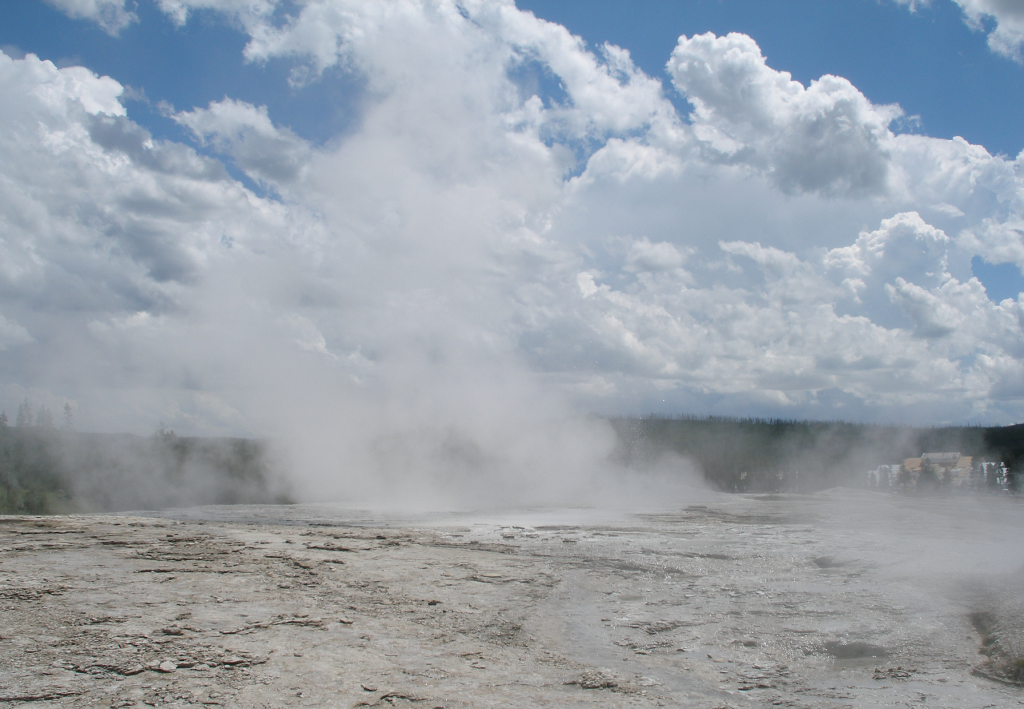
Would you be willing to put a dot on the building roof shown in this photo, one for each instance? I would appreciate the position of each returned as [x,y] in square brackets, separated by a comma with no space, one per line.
[948,458]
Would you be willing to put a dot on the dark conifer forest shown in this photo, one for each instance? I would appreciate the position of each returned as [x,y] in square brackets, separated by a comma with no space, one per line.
[768,455]
[44,470]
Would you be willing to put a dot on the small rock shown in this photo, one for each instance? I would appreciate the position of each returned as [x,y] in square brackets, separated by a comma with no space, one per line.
[595,680]
[369,687]
[167,666]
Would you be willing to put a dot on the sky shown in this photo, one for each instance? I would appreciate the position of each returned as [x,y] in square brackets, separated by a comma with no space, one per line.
[486,220]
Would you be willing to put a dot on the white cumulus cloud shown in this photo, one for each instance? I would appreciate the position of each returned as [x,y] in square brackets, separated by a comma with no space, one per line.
[478,249]
[111,15]
[12,334]
[246,133]
[826,137]
[1006,36]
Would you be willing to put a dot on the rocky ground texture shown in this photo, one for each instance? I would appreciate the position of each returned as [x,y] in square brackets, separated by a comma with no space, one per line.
[833,600]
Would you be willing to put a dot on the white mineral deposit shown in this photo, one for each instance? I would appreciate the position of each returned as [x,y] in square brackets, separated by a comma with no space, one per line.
[836,599]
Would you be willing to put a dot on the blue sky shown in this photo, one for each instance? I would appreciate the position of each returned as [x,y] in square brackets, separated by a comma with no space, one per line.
[199,192]
[929,61]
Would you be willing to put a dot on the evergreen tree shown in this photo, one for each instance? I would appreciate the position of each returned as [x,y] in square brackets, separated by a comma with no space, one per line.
[928,479]
[24,419]
[44,419]
[903,477]
[69,421]
[3,419]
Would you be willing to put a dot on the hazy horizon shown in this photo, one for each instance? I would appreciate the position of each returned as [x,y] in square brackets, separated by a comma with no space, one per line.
[431,238]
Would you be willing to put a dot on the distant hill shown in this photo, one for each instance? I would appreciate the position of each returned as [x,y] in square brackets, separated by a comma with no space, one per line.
[763,455]
[44,470]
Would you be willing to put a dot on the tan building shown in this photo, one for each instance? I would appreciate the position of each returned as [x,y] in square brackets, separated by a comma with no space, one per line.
[950,467]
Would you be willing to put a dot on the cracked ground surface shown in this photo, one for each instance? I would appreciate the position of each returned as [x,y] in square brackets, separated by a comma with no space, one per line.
[834,600]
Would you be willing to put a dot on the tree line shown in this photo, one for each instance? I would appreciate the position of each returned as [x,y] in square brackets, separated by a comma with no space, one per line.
[770,455]
[44,469]
[43,417]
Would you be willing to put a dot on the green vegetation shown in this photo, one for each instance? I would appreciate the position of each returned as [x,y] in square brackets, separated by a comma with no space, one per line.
[770,455]
[1016,670]
[43,470]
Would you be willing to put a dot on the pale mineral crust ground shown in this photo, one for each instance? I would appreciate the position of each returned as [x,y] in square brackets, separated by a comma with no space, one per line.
[840,599]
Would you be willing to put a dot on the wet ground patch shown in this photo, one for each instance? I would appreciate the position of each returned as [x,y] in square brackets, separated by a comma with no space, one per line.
[1001,663]
[856,650]
[827,562]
